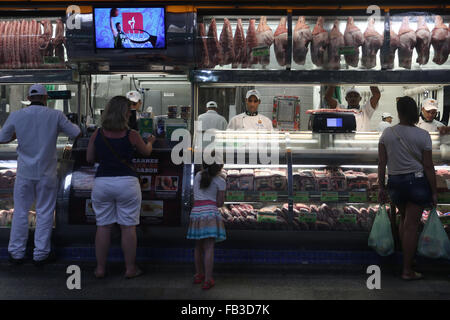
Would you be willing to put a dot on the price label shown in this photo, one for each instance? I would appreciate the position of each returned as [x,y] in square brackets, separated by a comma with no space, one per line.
[308,218]
[301,196]
[444,197]
[268,196]
[51,60]
[445,220]
[266,218]
[347,218]
[235,196]
[261,51]
[329,196]
[357,197]
[347,50]
[373,196]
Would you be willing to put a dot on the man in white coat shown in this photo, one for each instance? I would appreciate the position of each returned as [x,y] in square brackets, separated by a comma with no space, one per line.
[386,122]
[36,128]
[251,119]
[429,111]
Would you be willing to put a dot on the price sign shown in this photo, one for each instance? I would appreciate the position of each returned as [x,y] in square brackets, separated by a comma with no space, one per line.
[301,196]
[268,196]
[357,197]
[308,218]
[235,196]
[261,51]
[347,50]
[347,218]
[329,196]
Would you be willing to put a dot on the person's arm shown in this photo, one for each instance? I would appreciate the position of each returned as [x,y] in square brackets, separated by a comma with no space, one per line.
[69,128]
[8,132]
[382,162]
[331,102]
[444,129]
[428,168]
[141,146]
[90,153]
[113,28]
[376,95]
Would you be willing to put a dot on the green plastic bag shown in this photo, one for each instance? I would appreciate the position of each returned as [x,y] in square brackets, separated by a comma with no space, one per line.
[380,238]
[434,242]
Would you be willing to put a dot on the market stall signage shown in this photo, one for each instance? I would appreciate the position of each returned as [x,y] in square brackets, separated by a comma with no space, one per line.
[301,196]
[444,197]
[145,165]
[268,196]
[307,218]
[329,196]
[348,218]
[357,197]
[235,196]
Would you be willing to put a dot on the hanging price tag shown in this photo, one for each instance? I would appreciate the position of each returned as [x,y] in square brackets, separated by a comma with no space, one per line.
[301,196]
[235,196]
[268,196]
[308,218]
[328,196]
[357,197]
[347,218]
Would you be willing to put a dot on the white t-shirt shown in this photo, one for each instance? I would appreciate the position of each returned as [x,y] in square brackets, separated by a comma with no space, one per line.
[399,159]
[212,120]
[245,122]
[430,126]
[37,128]
[363,116]
[210,193]
[383,125]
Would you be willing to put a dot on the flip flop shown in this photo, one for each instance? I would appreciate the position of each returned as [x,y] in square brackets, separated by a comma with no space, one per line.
[138,273]
[417,276]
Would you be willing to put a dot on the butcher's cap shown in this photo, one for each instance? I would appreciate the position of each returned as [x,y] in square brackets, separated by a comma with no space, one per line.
[386,115]
[211,104]
[352,90]
[134,96]
[253,92]
[430,104]
[37,90]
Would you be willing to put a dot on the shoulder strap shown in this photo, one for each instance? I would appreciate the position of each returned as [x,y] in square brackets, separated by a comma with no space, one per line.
[405,145]
[114,152]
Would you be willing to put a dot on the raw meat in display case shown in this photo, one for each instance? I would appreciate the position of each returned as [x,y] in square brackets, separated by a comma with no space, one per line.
[246,179]
[319,44]
[215,54]
[388,60]
[240,48]
[423,37]
[373,41]
[439,41]
[407,44]
[265,37]
[281,40]
[305,180]
[302,37]
[226,42]
[336,42]
[353,37]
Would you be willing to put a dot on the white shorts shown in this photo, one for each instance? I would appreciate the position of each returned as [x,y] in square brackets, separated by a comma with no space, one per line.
[117,200]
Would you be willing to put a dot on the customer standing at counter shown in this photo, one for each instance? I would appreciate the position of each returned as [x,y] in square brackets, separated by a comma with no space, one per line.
[116,194]
[406,150]
[251,119]
[353,98]
[36,128]
[429,111]
[135,107]
[211,119]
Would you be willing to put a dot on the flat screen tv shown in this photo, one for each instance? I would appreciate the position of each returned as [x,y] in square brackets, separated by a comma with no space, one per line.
[130,28]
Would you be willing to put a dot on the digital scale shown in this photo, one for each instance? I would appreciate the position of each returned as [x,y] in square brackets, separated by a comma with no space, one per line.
[333,122]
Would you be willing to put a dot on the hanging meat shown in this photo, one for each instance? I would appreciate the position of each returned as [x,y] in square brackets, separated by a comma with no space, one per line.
[281,35]
[214,49]
[387,61]
[226,42]
[438,40]
[251,42]
[319,43]
[407,44]
[302,37]
[59,41]
[45,40]
[336,42]
[353,37]
[202,47]
[373,41]
[264,37]
[239,45]
[423,37]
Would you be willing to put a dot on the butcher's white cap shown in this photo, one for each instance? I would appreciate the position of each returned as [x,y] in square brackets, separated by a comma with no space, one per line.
[386,115]
[37,90]
[211,104]
[352,90]
[253,92]
[134,96]
[430,104]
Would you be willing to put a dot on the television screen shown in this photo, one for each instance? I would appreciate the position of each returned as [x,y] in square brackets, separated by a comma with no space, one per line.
[129,28]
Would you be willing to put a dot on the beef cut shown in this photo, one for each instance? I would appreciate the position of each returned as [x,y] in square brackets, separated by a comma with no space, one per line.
[302,37]
[202,47]
[264,37]
[226,42]
[353,37]
[373,41]
[251,42]
[214,49]
[239,45]
[423,37]
[439,37]
[319,44]
[336,42]
[407,44]
[281,35]
[388,60]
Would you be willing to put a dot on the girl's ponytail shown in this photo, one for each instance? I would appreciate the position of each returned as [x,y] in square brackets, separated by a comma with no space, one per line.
[208,173]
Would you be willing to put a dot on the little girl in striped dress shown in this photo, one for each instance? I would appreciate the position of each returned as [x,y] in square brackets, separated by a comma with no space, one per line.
[206,224]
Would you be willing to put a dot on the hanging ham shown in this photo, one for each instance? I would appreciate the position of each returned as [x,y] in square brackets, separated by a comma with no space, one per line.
[336,41]
[388,60]
[439,41]
[319,43]
[353,37]
[264,37]
[423,37]
[281,35]
[373,41]
[407,44]
[251,42]
[202,47]
[302,37]
[226,42]
[239,45]
[214,48]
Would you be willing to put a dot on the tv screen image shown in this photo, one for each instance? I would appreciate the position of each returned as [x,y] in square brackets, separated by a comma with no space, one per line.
[129,28]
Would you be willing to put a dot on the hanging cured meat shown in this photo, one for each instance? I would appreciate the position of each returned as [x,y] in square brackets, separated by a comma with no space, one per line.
[202,47]
[319,43]
[264,37]
[439,37]
[251,42]
[214,48]
[387,61]
[372,43]
[59,41]
[226,42]
[353,37]
[302,37]
[407,44]
[336,41]
[281,42]
[423,37]
[239,45]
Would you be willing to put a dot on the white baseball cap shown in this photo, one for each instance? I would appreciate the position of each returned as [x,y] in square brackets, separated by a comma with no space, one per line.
[211,104]
[134,96]
[386,115]
[352,90]
[253,92]
[430,104]
[37,90]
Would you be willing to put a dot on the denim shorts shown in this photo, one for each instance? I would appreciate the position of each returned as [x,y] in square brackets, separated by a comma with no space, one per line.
[405,188]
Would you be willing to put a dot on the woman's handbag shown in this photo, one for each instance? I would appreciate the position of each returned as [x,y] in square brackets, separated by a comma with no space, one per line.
[380,238]
[433,241]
